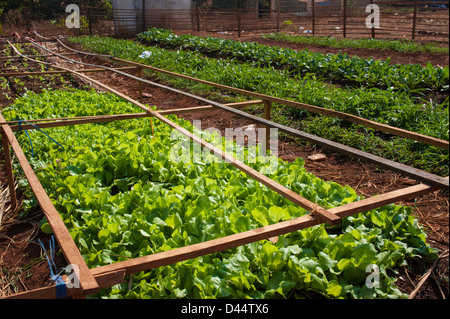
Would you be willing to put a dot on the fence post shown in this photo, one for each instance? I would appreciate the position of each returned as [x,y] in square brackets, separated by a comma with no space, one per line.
[414,20]
[239,14]
[313,17]
[345,18]
[139,75]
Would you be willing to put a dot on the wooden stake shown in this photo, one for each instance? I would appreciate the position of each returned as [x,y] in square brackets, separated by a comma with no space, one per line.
[373,28]
[313,17]
[9,170]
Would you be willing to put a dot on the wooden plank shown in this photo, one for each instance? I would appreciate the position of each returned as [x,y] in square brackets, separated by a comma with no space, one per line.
[180,254]
[310,108]
[9,171]
[383,200]
[62,235]
[208,107]
[15,74]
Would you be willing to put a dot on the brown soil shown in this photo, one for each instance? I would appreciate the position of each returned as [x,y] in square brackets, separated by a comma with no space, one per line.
[421,58]
[367,180]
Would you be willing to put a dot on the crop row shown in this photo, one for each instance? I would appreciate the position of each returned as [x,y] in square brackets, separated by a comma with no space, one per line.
[122,196]
[385,106]
[337,68]
[402,45]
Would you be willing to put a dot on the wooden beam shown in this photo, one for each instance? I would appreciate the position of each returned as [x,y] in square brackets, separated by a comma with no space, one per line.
[34,56]
[383,200]
[310,108]
[113,274]
[66,243]
[420,175]
[9,170]
[208,107]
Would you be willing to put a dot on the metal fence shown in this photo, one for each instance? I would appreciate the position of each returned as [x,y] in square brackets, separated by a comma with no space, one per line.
[424,21]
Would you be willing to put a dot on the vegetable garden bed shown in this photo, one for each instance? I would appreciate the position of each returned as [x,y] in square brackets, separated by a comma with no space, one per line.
[390,107]
[141,202]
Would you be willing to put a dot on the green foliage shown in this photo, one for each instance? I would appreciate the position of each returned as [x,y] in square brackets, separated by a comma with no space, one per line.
[389,106]
[47,9]
[339,68]
[122,197]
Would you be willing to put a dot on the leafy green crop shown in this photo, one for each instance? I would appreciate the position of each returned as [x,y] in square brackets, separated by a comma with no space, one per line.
[385,106]
[338,68]
[402,45]
[121,196]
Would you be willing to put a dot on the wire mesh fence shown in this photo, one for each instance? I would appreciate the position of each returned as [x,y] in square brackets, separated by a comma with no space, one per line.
[421,20]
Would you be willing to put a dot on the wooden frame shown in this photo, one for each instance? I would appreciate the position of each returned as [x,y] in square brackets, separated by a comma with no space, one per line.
[105,276]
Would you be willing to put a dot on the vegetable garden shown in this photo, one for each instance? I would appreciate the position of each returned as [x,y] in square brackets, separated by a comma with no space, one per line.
[124,199]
